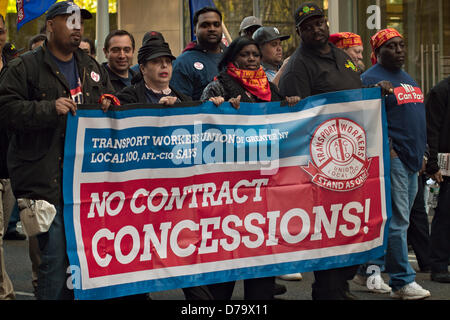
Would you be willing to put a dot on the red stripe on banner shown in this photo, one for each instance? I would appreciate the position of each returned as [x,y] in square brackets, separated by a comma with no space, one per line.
[142,224]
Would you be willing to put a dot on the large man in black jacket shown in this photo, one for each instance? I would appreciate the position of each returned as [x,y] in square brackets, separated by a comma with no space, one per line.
[37,91]
[438,132]
[6,197]
[316,67]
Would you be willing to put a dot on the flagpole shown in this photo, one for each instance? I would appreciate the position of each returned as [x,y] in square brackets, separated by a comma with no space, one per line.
[102,27]
[226,33]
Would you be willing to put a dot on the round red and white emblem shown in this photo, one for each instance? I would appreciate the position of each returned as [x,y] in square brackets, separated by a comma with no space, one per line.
[198,65]
[95,76]
[339,155]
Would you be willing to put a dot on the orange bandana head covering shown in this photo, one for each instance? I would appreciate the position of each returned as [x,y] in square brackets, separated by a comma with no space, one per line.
[380,38]
[254,81]
[345,40]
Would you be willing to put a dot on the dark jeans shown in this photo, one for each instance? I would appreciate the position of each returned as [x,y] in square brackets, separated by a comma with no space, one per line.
[52,275]
[440,230]
[419,228]
[332,284]
[254,289]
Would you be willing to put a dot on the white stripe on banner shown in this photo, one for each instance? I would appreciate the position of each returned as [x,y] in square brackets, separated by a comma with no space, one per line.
[225,119]
[217,266]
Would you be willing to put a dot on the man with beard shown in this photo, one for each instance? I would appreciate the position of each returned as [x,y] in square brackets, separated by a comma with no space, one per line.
[195,68]
[37,91]
[316,67]
[352,44]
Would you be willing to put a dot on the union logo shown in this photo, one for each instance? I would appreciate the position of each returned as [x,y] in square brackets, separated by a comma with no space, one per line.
[339,156]
[95,76]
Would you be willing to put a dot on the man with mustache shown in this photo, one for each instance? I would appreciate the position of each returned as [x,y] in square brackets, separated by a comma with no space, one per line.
[196,67]
[37,92]
[318,66]
[119,49]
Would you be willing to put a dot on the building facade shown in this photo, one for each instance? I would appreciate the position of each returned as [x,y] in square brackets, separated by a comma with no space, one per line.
[425,25]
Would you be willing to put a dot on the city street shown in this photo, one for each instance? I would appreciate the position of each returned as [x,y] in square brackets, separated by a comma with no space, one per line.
[18,265]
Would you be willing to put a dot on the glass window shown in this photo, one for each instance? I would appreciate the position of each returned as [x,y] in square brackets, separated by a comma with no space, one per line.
[425,26]
[278,13]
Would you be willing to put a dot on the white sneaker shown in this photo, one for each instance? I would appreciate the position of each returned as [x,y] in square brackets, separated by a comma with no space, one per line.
[411,291]
[291,277]
[374,283]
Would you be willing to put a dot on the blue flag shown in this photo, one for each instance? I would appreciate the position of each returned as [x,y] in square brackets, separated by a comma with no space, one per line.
[28,10]
[195,5]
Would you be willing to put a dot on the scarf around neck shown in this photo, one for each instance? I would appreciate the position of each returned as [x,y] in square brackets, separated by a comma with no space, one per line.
[254,81]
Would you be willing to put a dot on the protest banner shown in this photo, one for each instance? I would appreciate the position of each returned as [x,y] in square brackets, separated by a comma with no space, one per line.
[164,198]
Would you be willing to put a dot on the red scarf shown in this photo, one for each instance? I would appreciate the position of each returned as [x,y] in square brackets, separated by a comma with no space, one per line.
[254,81]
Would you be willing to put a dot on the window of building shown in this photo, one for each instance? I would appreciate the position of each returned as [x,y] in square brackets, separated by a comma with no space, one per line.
[278,13]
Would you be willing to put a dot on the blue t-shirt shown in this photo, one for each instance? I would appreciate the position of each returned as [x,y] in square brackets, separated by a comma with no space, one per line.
[127,81]
[405,114]
[270,71]
[193,71]
[70,71]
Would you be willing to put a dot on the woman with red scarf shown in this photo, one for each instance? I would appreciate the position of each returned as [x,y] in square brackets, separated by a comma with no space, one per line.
[242,78]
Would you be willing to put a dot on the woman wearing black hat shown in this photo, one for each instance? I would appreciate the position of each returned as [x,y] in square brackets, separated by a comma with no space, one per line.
[152,84]
[242,78]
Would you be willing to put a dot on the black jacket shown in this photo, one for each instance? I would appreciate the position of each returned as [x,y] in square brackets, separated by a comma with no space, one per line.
[437,105]
[136,93]
[225,86]
[309,73]
[4,140]
[116,81]
[28,90]
[3,151]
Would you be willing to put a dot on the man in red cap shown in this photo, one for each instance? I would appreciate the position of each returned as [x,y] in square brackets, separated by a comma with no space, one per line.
[405,111]
[352,44]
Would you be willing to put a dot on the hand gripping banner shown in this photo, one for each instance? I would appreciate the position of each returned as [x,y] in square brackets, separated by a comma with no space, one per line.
[163,198]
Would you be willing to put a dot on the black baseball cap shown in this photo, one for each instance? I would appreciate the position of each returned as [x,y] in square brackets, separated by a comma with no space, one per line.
[267,34]
[65,7]
[306,11]
[152,49]
[152,35]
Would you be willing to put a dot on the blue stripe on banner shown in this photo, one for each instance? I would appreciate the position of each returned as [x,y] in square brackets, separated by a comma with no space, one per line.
[69,153]
[229,275]
[107,149]
[387,168]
